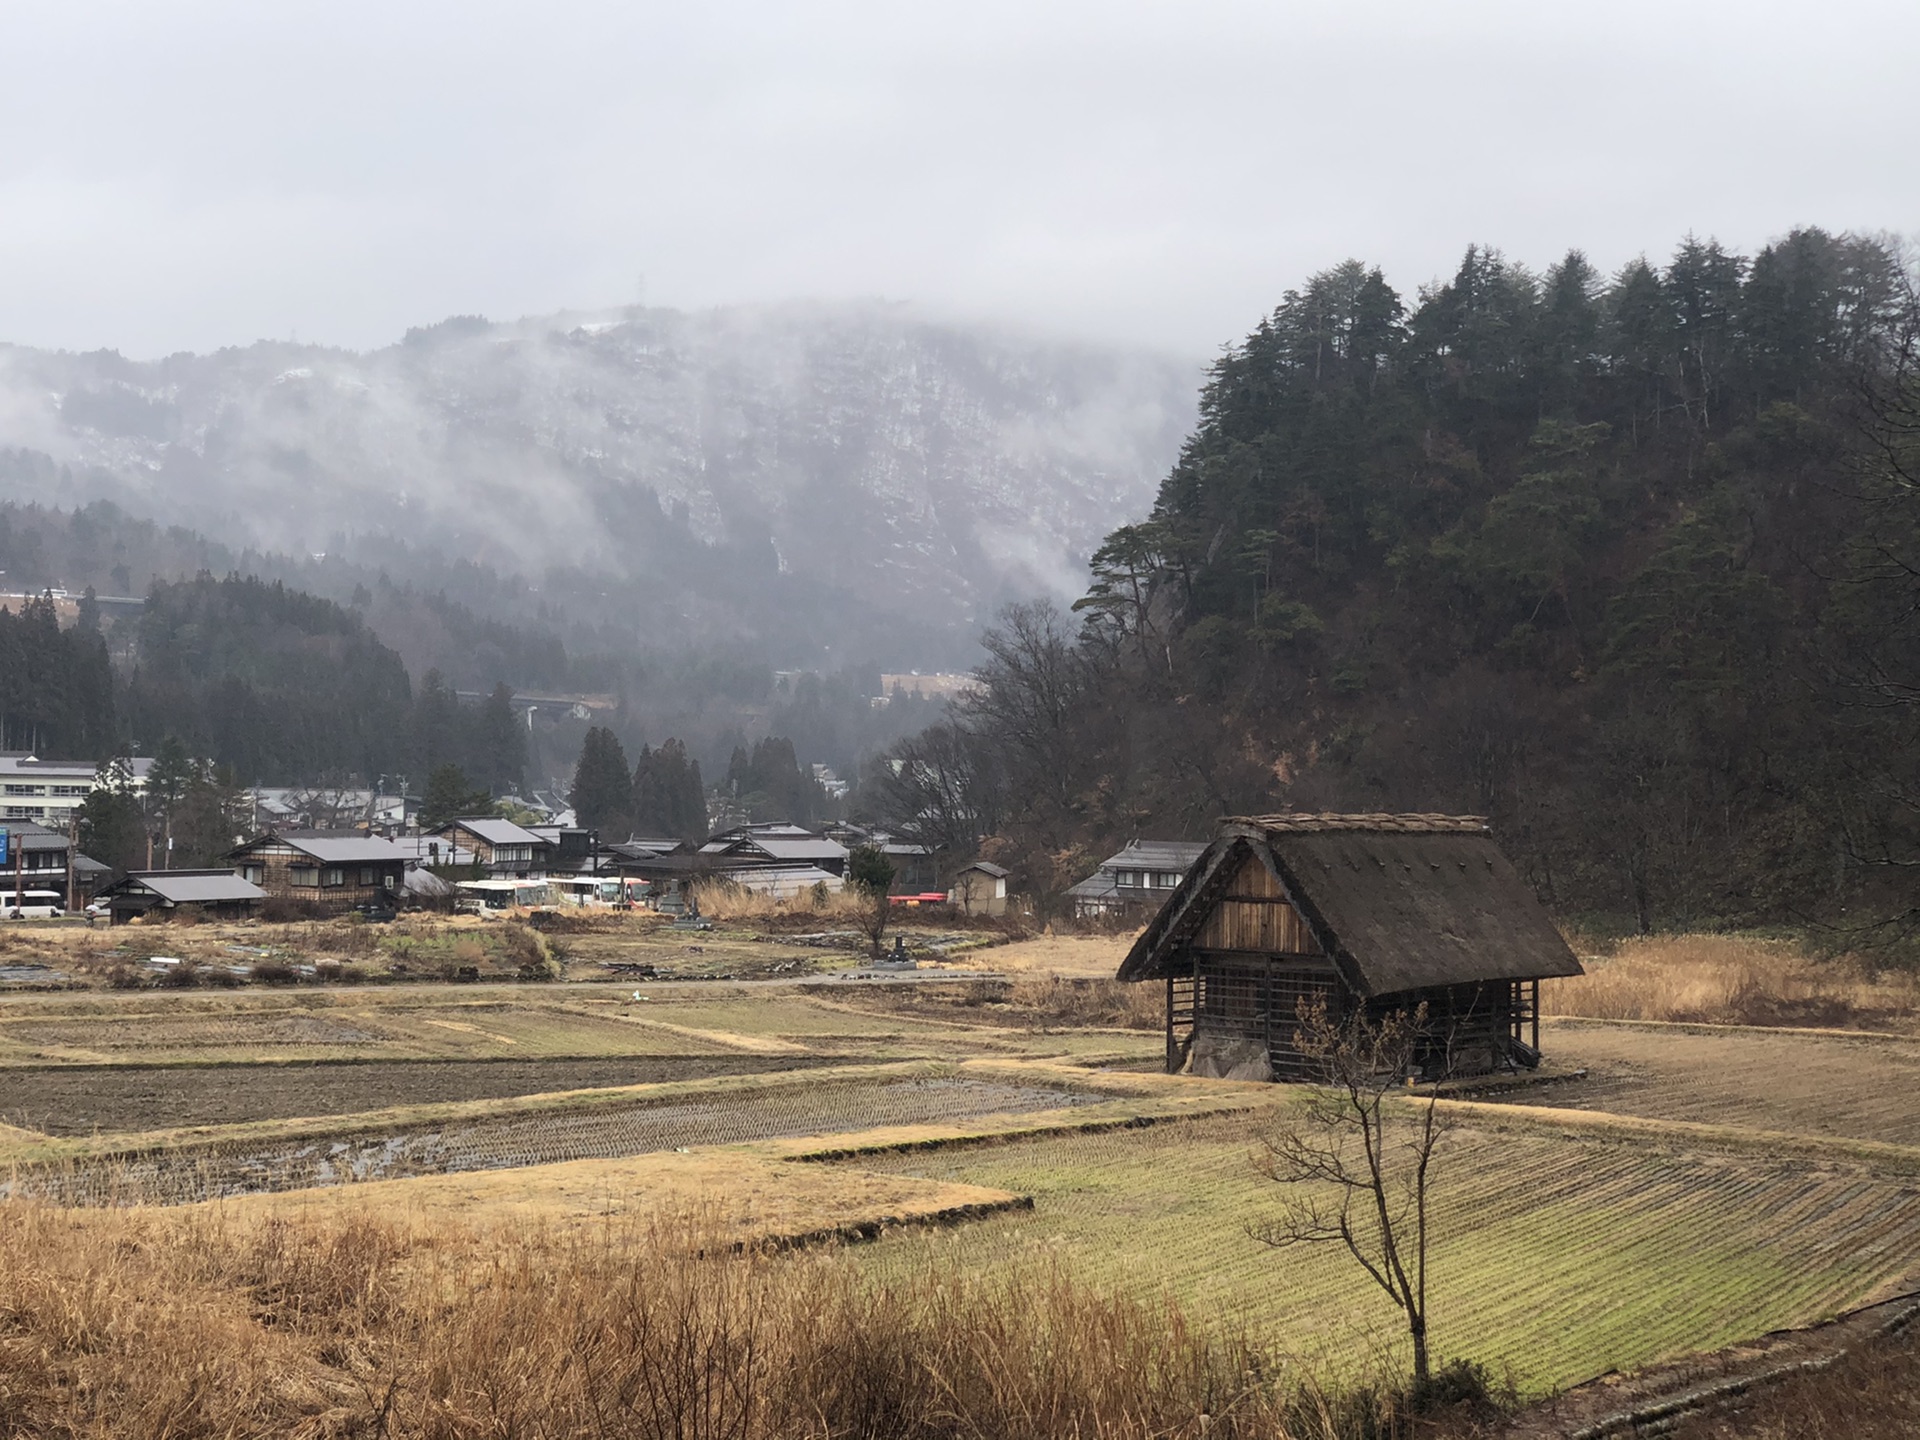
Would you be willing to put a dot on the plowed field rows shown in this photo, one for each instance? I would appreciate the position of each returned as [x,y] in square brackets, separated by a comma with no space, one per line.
[1558,1258]
[72,1100]
[1861,1089]
[502,1142]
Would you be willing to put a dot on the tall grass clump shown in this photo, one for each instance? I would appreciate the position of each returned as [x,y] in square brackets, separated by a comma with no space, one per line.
[1733,980]
[724,900]
[216,1322]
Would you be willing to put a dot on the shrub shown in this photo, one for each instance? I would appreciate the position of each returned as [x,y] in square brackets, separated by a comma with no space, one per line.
[275,972]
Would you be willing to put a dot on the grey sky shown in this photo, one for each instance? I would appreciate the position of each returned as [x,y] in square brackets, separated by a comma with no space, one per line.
[187,175]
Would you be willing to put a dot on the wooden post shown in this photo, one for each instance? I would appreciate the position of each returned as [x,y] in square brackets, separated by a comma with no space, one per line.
[73,843]
[1536,1017]
[1170,1065]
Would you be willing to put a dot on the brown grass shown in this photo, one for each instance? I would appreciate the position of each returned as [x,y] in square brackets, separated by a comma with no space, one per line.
[723,900]
[210,1323]
[1086,957]
[1733,980]
[1872,1393]
[1032,1000]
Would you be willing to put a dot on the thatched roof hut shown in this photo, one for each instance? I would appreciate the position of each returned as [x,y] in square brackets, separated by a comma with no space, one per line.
[1367,912]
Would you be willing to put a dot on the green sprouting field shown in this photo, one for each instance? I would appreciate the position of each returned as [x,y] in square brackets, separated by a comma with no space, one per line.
[1556,1258]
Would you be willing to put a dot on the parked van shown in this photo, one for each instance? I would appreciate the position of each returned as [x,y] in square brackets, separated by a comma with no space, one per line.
[33,905]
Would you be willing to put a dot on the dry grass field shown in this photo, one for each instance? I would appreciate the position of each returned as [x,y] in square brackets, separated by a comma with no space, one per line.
[512,1209]
[1734,980]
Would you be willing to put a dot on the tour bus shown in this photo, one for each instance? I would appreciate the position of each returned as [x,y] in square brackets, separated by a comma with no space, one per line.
[478,897]
[584,890]
[33,905]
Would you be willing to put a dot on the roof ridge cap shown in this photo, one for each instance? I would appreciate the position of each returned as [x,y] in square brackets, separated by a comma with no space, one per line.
[1377,822]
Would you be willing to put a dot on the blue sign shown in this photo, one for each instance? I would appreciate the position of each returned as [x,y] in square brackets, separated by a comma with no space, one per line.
[5,857]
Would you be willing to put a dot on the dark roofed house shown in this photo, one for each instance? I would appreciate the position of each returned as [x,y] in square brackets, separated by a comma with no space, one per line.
[503,849]
[329,870]
[1137,879]
[779,845]
[39,856]
[162,894]
[1369,913]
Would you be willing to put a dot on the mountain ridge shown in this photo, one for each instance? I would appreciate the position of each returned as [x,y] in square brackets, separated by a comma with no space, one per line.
[782,473]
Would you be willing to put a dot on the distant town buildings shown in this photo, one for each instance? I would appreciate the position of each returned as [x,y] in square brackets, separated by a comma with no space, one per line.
[49,791]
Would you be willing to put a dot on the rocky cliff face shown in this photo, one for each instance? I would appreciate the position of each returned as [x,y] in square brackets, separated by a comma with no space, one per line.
[803,475]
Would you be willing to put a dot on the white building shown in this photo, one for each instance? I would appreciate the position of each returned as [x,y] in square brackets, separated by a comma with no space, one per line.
[47,792]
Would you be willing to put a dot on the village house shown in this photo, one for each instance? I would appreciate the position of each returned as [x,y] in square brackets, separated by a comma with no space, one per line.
[329,871]
[1136,880]
[36,859]
[500,848]
[778,844]
[979,888]
[1368,914]
[165,894]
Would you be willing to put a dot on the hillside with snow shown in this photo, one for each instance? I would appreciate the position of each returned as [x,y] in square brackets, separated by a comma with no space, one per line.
[808,476]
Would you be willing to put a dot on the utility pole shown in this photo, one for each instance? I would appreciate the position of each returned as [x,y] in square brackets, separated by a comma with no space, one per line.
[73,843]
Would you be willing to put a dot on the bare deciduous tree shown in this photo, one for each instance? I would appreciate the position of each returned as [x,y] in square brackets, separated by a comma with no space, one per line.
[1357,1160]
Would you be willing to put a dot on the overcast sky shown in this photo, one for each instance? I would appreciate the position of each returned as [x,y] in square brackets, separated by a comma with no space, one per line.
[183,175]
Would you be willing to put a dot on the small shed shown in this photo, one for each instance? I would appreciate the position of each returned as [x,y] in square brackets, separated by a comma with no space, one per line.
[980,888]
[1369,913]
[162,894]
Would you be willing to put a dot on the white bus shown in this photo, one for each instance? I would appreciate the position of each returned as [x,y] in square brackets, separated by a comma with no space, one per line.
[33,905]
[477,897]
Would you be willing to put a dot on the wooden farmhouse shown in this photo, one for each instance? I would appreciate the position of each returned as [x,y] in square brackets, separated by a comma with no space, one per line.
[164,894]
[1370,913]
[501,848]
[330,871]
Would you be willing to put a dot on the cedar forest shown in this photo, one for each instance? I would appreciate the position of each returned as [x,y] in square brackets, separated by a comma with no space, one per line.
[1627,564]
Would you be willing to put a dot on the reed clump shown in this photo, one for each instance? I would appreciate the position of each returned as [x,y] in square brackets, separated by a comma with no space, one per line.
[215,1322]
[1734,980]
[724,900]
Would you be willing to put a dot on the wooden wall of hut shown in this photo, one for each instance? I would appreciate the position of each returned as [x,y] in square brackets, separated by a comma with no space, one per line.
[1256,916]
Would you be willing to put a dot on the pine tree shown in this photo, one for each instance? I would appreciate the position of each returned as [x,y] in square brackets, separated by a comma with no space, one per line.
[602,793]
[451,795]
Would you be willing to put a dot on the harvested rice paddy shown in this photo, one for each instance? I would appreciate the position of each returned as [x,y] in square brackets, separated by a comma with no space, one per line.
[1555,1258]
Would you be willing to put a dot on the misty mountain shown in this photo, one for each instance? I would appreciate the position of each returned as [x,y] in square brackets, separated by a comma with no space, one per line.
[819,479]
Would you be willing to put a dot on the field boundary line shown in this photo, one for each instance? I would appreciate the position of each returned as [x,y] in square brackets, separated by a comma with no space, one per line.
[137,1145]
[725,1039]
[1739,1138]
[862,1231]
[1713,1027]
[1662,1417]
[971,1139]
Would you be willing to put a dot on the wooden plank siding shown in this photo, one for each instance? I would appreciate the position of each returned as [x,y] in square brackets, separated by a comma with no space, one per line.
[287,873]
[1256,917]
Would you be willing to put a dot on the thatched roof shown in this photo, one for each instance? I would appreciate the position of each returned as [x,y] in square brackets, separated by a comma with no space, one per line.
[1400,902]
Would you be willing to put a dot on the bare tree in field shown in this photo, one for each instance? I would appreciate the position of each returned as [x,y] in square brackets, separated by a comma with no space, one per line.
[1357,1159]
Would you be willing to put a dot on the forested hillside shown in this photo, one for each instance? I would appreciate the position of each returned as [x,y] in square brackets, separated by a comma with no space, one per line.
[1627,564]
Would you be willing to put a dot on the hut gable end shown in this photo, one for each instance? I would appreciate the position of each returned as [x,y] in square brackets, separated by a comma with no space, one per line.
[1255,914]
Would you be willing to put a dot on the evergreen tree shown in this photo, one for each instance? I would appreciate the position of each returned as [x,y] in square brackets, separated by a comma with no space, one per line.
[668,798]
[113,829]
[503,741]
[450,795]
[602,791]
